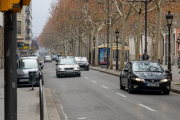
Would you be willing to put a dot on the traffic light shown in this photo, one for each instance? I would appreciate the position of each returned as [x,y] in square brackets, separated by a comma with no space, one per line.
[13,5]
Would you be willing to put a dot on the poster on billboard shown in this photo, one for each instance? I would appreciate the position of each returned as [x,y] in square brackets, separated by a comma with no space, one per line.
[103,55]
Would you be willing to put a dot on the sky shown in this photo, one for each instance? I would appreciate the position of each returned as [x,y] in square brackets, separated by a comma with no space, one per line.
[40,10]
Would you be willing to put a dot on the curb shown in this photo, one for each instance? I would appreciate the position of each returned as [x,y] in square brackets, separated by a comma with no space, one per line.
[45,106]
[172,90]
[104,72]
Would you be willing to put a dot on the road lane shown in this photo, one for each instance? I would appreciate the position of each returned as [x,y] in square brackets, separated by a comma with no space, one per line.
[84,97]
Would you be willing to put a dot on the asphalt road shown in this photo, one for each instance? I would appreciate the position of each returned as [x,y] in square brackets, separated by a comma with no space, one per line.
[96,96]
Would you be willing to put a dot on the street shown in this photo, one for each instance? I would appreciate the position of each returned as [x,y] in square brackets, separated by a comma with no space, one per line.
[96,96]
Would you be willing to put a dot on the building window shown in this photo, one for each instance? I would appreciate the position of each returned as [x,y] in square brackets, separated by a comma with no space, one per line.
[19,27]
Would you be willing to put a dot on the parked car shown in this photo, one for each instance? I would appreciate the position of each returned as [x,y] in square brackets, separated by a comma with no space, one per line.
[24,66]
[82,62]
[47,59]
[54,57]
[144,76]
[68,67]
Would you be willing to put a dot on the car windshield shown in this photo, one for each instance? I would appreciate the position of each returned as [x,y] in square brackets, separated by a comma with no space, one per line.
[147,67]
[47,57]
[67,62]
[70,56]
[29,63]
[61,57]
[84,59]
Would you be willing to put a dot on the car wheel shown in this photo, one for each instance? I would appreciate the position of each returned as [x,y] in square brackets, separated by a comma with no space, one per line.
[57,75]
[166,92]
[87,69]
[121,87]
[79,75]
[130,89]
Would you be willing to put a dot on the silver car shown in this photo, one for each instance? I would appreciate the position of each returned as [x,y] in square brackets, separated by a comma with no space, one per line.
[67,67]
[24,66]
[47,59]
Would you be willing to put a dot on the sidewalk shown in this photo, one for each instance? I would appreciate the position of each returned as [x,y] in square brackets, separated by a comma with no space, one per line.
[28,106]
[175,84]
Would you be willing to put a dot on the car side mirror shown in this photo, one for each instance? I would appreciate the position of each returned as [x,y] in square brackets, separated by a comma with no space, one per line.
[166,71]
[42,66]
[126,70]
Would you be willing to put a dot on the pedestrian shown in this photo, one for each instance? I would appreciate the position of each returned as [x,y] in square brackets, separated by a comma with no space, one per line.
[143,57]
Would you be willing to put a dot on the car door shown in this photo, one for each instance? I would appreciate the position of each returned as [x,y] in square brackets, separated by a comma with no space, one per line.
[128,74]
[123,76]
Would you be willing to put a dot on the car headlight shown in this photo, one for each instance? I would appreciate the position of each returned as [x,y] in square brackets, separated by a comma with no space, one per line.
[87,64]
[138,79]
[164,80]
[61,68]
[76,68]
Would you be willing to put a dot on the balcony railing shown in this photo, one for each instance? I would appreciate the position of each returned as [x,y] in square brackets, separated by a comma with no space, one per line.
[28,18]
[28,27]
[28,37]
[27,9]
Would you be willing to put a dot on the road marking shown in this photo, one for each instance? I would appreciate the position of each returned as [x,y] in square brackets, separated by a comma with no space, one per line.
[94,81]
[121,94]
[86,77]
[62,109]
[82,118]
[104,86]
[146,107]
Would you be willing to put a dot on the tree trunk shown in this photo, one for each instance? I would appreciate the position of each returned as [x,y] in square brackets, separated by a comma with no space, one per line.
[152,47]
[76,48]
[161,49]
[123,44]
[158,29]
[138,34]
[87,45]
[111,46]
[92,45]
[96,48]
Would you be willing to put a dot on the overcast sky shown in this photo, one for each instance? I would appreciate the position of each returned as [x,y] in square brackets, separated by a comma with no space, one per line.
[40,10]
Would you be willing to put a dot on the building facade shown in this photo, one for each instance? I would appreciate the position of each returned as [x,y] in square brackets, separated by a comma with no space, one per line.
[24,31]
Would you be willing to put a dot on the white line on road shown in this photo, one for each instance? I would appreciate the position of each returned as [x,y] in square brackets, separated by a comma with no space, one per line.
[82,118]
[94,81]
[146,107]
[121,94]
[62,109]
[105,87]
[86,77]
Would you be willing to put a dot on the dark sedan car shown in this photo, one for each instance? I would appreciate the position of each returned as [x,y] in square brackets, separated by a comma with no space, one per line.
[82,62]
[144,76]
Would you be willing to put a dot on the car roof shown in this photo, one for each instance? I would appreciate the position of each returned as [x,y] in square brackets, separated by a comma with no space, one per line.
[133,61]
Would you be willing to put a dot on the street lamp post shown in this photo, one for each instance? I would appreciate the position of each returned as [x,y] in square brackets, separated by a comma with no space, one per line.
[117,35]
[178,41]
[94,40]
[169,18]
[145,1]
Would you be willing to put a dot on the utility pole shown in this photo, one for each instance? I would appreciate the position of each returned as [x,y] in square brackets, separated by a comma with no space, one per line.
[108,37]
[10,71]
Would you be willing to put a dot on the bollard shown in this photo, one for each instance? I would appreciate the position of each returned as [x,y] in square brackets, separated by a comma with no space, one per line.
[32,78]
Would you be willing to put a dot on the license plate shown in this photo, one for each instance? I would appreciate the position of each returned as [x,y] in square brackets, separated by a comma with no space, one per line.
[23,80]
[69,71]
[153,84]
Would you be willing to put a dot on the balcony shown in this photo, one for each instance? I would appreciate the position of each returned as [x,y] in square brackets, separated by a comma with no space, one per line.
[28,18]
[27,9]
[28,37]
[28,27]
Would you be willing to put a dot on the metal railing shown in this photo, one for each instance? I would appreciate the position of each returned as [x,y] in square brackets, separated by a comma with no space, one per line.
[41,100]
